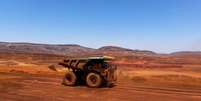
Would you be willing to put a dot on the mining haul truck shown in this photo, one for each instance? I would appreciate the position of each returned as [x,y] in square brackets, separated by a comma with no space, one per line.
[93,71]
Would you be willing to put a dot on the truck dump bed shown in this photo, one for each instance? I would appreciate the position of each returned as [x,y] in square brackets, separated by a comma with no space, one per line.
[80,62]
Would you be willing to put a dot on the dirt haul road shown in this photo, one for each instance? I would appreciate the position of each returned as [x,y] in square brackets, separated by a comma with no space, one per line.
[22,86]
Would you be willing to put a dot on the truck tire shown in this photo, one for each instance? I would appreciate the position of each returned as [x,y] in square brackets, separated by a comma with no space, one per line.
[93,80]
[69,79]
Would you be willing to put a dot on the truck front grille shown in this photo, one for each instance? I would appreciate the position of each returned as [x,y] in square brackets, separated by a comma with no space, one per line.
[112,74]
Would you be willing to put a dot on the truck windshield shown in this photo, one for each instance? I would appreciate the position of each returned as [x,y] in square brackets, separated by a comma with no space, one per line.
[105,65]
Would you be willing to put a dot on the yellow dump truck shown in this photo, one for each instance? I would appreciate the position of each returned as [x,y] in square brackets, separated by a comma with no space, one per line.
[93,71]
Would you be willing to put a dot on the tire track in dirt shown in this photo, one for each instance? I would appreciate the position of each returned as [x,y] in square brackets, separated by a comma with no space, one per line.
[167,90]
[123,86]
[163,90]
[43,88]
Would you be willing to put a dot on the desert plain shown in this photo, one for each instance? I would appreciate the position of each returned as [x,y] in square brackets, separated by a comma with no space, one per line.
[141,77]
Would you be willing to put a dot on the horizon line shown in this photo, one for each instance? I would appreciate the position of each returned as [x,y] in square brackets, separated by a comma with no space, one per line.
[62,44]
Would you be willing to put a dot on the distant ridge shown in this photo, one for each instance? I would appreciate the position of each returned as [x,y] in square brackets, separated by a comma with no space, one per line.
[187,54]
[119,51]
[114,48]
[70,49]
[77,50]
[65,49]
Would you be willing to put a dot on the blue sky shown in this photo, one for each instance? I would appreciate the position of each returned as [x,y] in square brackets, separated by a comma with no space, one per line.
[159,25]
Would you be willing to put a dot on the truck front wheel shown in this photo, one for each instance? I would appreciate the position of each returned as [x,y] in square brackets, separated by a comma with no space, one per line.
[93,80]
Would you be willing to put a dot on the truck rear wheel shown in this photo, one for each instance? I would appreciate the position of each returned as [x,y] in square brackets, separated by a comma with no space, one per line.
[93,80]
[69,79]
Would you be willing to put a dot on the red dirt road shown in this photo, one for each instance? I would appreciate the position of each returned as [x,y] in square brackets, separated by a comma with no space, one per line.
[37,87]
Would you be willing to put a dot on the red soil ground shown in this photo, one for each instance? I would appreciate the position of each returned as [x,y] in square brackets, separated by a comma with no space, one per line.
[23,79]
